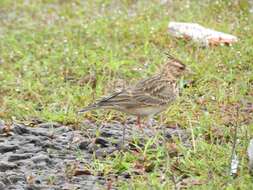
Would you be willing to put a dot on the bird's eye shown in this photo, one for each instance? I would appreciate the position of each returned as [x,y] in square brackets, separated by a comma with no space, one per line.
[181,68]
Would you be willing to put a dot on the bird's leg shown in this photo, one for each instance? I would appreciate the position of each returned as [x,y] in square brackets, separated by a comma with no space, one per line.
[151,121]
[139,122]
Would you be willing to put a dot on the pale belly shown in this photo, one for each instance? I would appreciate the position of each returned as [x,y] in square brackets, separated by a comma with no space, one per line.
[145,111]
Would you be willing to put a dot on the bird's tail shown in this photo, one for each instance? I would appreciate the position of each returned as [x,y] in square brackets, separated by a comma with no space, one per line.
[88,108]
[105,103]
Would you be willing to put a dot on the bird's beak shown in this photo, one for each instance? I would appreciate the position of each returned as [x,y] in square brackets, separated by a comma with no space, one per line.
[188,71]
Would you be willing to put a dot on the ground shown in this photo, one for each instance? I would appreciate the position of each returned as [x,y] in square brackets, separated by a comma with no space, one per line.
[57,56]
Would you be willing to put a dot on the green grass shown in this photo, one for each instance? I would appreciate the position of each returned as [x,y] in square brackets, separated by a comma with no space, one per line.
[56,56]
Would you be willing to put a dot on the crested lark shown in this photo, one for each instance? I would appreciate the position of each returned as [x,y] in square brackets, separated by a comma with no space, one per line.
[149,96]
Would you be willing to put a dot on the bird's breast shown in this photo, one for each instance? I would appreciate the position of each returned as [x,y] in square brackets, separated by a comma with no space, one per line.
[146,111]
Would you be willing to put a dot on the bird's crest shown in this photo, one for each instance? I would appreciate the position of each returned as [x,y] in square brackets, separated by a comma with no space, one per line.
[175,62]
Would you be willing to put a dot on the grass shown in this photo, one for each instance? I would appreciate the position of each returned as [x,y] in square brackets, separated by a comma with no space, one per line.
[57,56]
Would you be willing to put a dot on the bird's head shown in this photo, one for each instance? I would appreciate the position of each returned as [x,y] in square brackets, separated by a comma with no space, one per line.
[174,68]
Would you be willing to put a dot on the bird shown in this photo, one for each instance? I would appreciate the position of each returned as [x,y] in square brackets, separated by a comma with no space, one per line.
[149,96]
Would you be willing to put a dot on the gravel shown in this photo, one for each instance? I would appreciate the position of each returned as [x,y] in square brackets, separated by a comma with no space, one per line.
[47,156]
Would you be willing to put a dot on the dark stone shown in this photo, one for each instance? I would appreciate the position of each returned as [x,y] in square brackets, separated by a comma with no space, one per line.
[63,130]
[7,148]
[16,187]
[113,130]
[107,134]
[28,148]
[14,178]
[37,181]
[84,145]
[51,145]
[92,147]
[126,175]
[102,142]
[40,158]
[42,132]
[20,129]
[168,135]
[34,140]
[24,163]
[49,125]
[17,157]
[4,178]
[102,152]
[2,186]
[36,187]
[39,166]
[4,166]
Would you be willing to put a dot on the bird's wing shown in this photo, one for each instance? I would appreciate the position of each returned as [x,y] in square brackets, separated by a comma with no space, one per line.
[124,97]
[154,91]
[106,102]
[127,99]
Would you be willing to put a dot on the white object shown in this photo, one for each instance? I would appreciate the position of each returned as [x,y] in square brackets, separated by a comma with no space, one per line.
[251,6]
[234,165]
[250,155]
[200,34]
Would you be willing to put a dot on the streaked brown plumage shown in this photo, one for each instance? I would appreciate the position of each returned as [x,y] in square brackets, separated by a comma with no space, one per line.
[149,96]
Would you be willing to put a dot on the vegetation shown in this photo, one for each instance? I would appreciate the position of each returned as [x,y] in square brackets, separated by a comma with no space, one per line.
[56,56]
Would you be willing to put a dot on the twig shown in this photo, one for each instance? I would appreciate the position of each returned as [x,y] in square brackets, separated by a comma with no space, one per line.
[167,157]
[193,137]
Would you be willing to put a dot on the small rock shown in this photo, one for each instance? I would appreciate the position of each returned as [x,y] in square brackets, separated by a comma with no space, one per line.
[126,175]
[2,185]
[24,163]
[63,129]
[76,137]
[40,158]
[51,145]
[92,147]
[84,145]
[37,181]
[7,148]
[37,187]
[102,142]
[28,148]
[34,140]
[39,166]
[41,132]
[49,125]
[105,151]
[14,187]
[4,178]
[20,129]
[4,166]
[114,131]
[14,178]
[167,135]
[16,157]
